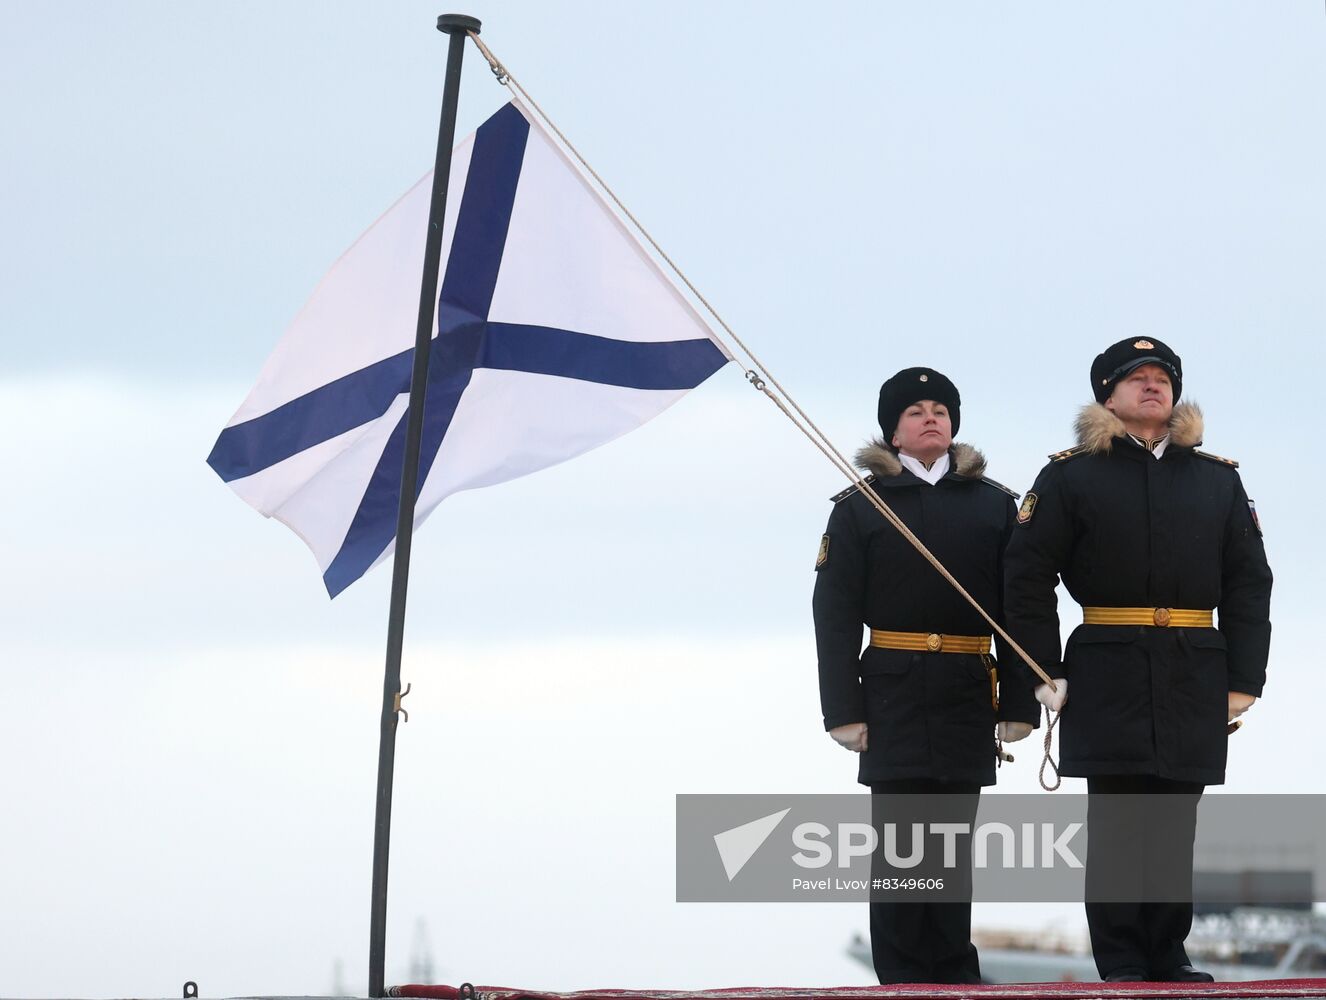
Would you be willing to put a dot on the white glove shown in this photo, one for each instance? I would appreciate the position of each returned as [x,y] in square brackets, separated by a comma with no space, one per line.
[853,736]
[1238,704]
[1053,700]
[1011,732]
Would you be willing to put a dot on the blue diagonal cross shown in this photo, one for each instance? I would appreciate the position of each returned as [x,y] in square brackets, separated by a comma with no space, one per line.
[466,340]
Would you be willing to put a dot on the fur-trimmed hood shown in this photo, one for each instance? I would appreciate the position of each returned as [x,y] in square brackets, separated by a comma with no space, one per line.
[881,458]
[1097,427]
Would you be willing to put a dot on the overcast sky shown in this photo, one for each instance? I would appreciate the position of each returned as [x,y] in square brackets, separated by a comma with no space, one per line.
[188,727]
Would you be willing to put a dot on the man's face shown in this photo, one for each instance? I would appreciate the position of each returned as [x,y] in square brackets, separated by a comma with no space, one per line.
[1145,395]
[924,430]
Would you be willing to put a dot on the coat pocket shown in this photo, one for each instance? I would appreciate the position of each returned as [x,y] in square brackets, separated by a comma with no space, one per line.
[1201,675]
[876,661]
[1206,638]
[1108,718]
[1197,700]
[893,682]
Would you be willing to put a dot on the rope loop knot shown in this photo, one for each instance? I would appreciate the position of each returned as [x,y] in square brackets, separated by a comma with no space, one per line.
[498,69]
[1047,761]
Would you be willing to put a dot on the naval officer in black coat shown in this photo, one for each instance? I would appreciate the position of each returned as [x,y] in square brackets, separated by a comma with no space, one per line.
[1151,536]
[918,704]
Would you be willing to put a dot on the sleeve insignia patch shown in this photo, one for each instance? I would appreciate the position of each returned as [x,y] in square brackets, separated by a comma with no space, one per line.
[1028,508]
[823,556]
[1252,509]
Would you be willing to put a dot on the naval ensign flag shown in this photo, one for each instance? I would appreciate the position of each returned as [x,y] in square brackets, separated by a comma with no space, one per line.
[556,332]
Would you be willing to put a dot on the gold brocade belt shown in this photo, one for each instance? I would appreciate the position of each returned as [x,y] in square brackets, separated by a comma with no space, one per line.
[929,642]
[933,642]
[1162,617]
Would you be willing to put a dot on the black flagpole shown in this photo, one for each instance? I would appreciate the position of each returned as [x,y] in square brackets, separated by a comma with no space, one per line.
[457,26]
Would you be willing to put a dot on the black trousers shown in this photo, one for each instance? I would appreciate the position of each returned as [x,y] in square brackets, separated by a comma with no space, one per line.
[920,941]
[1140,849]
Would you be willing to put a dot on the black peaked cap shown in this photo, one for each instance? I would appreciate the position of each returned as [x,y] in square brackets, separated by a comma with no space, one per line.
[1131,353]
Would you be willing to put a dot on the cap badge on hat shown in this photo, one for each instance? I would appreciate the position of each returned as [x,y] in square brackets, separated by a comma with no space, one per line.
[1144,345]
[925,378]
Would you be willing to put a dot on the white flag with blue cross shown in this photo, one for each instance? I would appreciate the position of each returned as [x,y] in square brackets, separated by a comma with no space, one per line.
[556,332]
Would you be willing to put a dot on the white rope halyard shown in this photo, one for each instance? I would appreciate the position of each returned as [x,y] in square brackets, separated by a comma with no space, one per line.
[761,379]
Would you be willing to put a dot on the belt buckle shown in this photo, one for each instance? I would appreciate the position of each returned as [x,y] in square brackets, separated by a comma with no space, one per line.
[1161,617]
[934,642]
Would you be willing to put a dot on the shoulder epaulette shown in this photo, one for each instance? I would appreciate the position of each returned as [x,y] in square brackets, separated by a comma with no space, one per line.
[1067,453]
[1000,486]
[850,490]
[1216,458]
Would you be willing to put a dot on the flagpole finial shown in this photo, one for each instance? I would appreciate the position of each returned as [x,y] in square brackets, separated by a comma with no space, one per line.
[452,23]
